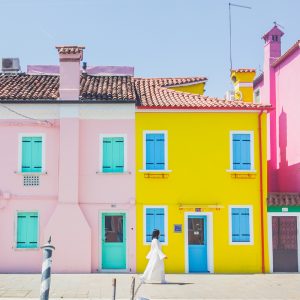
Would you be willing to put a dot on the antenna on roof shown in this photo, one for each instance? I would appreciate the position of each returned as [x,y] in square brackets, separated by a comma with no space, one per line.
[276,24]
[230,38]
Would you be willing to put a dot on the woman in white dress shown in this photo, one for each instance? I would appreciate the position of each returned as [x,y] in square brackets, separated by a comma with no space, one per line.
[155,270]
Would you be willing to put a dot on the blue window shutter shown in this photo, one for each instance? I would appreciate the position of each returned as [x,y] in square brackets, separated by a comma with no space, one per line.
[245,152]
[107,165]
[150,223]
[245,225]
[236,142]
[150,151]
[26,154]
[235,224]
[241,151]
[36,154]
[159,152]
[118,154]
[160,223]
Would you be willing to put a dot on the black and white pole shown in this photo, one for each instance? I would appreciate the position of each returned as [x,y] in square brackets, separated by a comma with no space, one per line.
[46,270]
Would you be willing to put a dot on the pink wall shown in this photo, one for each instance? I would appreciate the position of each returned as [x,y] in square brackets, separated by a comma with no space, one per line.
[288,124]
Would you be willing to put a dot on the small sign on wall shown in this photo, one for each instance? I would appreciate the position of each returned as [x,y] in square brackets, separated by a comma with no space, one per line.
[177,228]
[285,209]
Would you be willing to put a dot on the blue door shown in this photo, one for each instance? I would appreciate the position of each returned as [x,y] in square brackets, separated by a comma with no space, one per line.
[197,243]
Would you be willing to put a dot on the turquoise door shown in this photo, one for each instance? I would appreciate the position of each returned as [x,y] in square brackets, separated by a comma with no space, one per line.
[197,243]
[113,241]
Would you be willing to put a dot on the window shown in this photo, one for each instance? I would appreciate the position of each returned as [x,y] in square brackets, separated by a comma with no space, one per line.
[27,230]
[241,225]
[31,154]
[113,154]
[257,96]
[155,218]
[242,151]
[155,148]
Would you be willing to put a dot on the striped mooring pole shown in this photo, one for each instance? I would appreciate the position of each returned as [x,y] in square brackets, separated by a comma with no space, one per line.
[46,270]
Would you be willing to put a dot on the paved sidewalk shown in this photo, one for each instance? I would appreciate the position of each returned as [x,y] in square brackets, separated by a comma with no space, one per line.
[99,286]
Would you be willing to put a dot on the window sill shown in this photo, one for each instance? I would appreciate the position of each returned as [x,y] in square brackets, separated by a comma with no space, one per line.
[26,249]
[242,174]
[31,173]
[241,243]
[241,171]
[114,173]
[155,171]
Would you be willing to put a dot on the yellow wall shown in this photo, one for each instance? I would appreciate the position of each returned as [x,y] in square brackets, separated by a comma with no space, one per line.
[193,88]
[240,79]
[199,157]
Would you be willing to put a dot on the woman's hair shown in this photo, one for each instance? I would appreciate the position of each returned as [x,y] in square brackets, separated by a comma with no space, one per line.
[155,234]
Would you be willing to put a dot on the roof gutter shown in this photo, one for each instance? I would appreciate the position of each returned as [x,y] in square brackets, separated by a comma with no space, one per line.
[265,108]
[261,189]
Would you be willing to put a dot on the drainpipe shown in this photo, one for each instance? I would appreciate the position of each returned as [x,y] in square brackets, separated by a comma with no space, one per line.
[261,194]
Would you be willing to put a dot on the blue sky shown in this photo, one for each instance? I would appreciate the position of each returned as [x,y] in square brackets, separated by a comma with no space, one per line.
[160,38]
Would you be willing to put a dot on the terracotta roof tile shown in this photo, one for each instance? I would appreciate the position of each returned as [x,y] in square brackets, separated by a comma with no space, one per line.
[284,199]
[288,53]
[153,93]
[243,70]
[69,49]
[28,87]
[146,92]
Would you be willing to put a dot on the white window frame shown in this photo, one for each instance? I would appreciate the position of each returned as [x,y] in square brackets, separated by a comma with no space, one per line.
[16,231]
[165,132]
[251,132]
[21,135]
[165,207]
[251,242]
[112,135]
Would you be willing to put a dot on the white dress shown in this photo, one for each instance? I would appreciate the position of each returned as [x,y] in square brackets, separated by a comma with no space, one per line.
[155,270]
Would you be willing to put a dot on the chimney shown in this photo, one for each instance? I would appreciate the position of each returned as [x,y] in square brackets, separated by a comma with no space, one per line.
[272,51]
[242,80]
[69,69]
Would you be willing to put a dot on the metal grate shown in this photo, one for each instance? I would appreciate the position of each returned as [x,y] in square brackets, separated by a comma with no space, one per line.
[31,180]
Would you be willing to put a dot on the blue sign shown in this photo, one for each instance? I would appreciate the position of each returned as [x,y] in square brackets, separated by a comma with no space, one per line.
[177,228]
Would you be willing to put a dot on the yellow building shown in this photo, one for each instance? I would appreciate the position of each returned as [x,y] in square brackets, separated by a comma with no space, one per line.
[201,179]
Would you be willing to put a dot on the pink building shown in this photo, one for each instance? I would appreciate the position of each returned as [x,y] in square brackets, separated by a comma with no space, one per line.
[67,169]
[279,86]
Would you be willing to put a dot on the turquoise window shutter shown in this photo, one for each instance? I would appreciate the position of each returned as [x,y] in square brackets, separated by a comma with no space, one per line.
[241,151]
[240,223]
[32,154]
[27,230]
[160,223]
[21,231]
[107,165]
[155,151]
[26,154]
[118,155]
[32,233]
[150,151]
[36,152]
[150,223]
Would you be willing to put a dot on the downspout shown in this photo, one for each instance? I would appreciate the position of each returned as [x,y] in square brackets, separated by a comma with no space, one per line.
[261,194]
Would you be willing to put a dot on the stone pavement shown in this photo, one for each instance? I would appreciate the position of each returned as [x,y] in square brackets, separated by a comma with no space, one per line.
[180,286]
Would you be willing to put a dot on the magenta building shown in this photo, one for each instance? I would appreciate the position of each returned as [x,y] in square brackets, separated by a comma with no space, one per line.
[278,85]
[67,168]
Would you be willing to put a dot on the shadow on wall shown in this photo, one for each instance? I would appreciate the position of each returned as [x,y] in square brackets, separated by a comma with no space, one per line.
[287,177]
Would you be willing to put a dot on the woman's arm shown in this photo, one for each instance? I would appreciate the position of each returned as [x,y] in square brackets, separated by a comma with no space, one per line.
[161,255]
